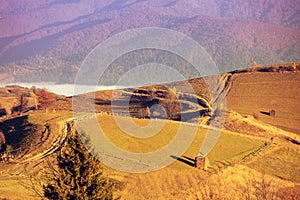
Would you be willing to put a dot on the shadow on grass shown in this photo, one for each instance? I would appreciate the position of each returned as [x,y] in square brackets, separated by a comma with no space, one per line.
[292,140]
[187,160]
[265,113]
[19,133]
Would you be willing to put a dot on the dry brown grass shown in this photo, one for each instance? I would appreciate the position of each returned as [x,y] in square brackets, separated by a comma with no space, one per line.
[250,126]
[230,147]
[259,92]
[266,176]
[233,183]
[12,189]
[283,162]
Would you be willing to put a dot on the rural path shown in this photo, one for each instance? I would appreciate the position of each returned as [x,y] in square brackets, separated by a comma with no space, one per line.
[17,167]
[60,140]
[58,143]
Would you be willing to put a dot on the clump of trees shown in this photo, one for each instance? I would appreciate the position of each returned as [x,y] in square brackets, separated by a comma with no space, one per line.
[79,175]
[45,99]
[22,104]
[42,99]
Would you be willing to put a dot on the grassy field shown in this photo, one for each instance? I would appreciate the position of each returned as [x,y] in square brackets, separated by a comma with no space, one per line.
[229,148]
[14,182]
[180,179]
[239,164]
[259,92]
[283,163]
[30,132]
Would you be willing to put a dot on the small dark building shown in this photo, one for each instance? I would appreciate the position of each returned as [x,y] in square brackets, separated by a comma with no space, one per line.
[272,113]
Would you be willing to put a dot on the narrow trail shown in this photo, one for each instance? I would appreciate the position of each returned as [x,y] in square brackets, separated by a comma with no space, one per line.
[58,143]
[64,127]
[17,167]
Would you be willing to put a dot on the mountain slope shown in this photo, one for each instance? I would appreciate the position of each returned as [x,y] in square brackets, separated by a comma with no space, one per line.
[48,40]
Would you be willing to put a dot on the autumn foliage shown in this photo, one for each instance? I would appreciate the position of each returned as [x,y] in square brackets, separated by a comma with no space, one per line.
[45,99]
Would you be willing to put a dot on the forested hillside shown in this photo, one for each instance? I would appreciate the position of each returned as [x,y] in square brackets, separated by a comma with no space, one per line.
[48,40]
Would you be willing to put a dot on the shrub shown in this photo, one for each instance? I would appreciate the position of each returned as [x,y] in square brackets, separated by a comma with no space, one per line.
[255,116]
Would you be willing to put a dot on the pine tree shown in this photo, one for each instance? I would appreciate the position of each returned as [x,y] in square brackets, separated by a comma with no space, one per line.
[79,174]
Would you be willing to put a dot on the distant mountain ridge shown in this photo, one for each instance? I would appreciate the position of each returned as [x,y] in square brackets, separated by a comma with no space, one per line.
[48,40]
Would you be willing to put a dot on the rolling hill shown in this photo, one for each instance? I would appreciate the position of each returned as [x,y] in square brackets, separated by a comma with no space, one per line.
[255,147]
[251,92]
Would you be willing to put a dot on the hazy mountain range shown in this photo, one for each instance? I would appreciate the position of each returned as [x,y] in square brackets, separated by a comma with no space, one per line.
[47,40]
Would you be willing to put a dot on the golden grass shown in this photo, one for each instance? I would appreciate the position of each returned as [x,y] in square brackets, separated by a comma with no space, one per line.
[253,93]
[283,162]
[180,180]
[133,144]
[14,175]
[12,189]
[231,183]
[230,147]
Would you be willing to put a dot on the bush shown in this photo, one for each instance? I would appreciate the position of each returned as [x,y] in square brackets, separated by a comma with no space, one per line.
[255,116]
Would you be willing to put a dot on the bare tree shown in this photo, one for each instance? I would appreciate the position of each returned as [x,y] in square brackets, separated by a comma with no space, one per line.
[171,105]
[257,187]
[294,66]
[263,188]
[33,95]
[23,102]
[45,99]
[20,104]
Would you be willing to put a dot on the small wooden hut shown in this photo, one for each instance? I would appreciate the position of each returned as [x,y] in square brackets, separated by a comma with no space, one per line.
[201,162]
[272,113]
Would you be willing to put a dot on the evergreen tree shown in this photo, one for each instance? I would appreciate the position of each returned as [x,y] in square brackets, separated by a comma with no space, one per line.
[79,174]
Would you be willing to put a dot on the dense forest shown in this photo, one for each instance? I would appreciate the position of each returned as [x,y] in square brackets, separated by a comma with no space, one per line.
[234,33]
